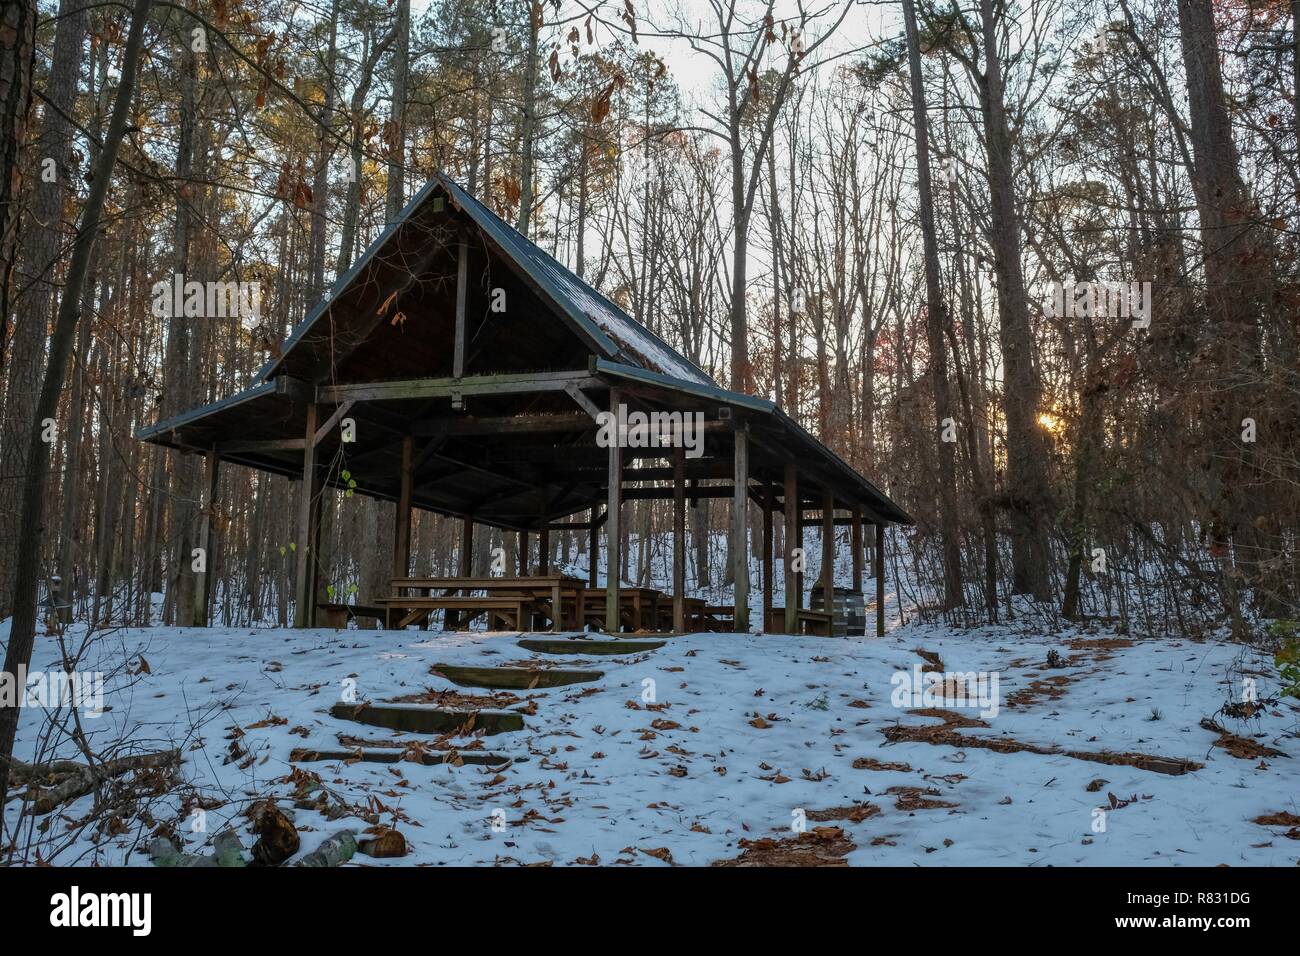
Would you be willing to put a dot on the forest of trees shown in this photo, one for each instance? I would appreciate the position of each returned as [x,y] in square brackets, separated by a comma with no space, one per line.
[863,210]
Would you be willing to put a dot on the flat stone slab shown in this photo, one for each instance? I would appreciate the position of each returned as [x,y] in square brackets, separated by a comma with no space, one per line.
[562,645]
[430,758]
[513,678]
[423,719]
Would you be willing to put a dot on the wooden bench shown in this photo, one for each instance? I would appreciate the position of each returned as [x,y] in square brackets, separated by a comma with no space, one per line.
[513,612]
[693,613]
[719,618]
[814,622]
[593,611]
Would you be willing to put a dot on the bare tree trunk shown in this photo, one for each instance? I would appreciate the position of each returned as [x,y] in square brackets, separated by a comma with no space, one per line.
[528,132]
[17,55]
[320,181]
[22,635]
[1027,491]
[179,390]
[1237,278]
[396,195]
[40,251]
[936,323]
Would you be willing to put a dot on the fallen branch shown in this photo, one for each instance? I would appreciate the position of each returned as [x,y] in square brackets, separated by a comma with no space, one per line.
[77,780]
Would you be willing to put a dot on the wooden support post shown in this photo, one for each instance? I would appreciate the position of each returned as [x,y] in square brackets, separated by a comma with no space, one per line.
[679,539]
[544,550]
[740,530]
[769,496]
[523,554]
[613,544]
[880,580]
[828,552]
[593,552]
[203,580]
[462,293]
[402,519]
[857,547]
[793,543]
[466,547]
[308,543]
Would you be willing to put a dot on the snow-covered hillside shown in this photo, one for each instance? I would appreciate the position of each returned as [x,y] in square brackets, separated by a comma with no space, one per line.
[681,753]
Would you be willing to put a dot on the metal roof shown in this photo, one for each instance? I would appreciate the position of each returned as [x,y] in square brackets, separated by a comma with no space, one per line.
[609,329]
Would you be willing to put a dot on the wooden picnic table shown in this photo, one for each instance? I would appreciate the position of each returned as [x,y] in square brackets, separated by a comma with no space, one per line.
[549,593]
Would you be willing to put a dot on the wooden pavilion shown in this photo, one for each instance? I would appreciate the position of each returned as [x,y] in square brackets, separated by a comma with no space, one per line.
[458,368]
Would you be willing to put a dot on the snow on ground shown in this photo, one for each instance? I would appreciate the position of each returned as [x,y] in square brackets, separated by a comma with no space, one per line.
[608,776]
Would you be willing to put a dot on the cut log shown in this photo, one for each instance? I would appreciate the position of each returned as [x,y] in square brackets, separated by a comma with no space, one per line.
[227,851]
[335,851]
[386,844]
[165,853]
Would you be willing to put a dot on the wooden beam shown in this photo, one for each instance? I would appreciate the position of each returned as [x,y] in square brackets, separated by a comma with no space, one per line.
[705,469]
[543,550]
[523,557]
[462,296]
[502,424]
[466,546]
[402,519]
[816,522]
[792,547]
[332,421]
[267,445]
[593,549]
[828,552]
[857,547]
[613,544]
[203,584]
[419,389]
[769,496]
[679,539]
[308,543]
[295,389]
[740,529]
[586,404]
[880,580]
[664,492]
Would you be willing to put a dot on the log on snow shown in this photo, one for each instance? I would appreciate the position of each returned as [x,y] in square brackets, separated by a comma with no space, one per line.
[80,781]
[335,851]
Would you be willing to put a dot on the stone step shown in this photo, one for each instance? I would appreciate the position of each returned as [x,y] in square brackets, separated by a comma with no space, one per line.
[512,678]
[423,719]
[430,758]
[562,645]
